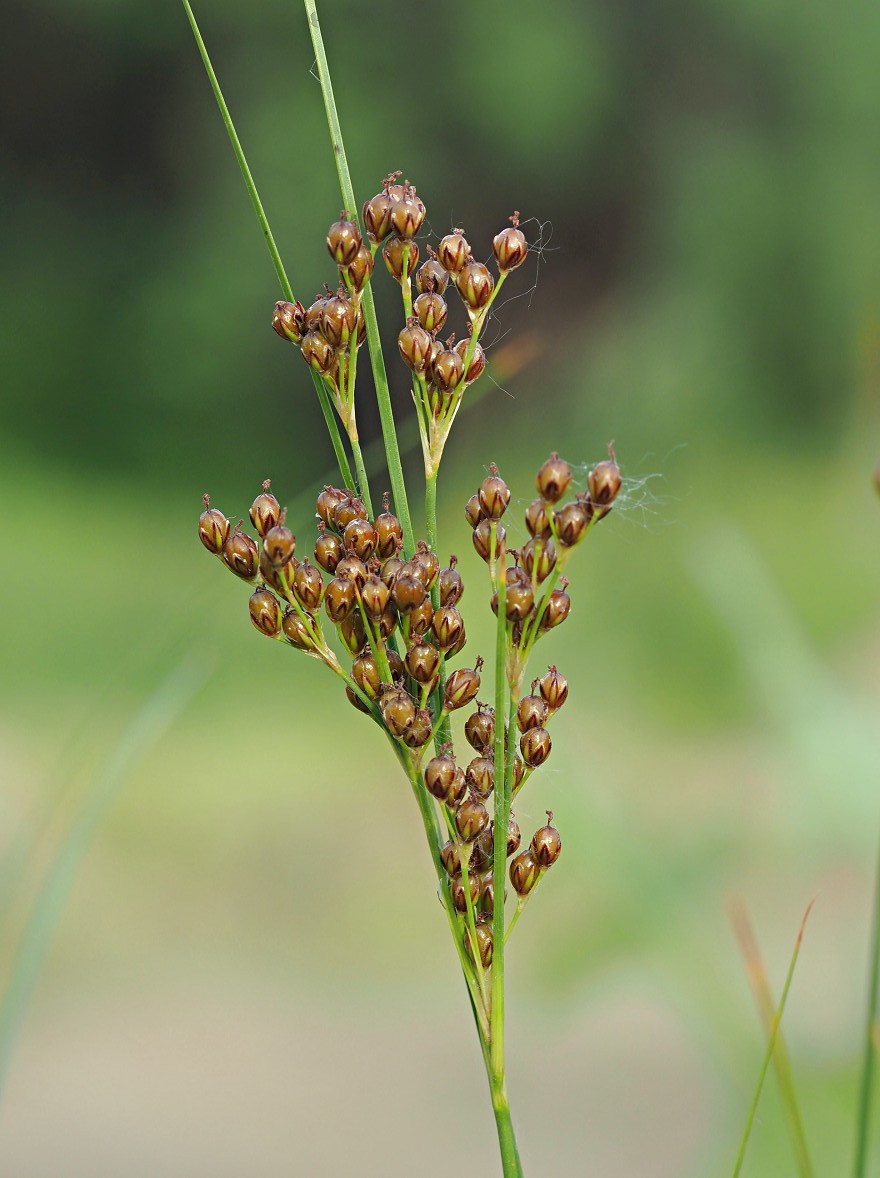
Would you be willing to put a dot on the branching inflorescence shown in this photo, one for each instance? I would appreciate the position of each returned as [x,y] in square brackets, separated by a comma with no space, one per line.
[381,611]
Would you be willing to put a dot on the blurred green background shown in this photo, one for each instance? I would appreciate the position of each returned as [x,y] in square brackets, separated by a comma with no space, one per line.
[251,974]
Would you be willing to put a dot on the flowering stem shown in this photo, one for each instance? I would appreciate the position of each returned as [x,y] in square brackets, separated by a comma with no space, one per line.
[383,396]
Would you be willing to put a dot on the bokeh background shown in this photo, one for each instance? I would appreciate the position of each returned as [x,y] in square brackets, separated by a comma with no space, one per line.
[249,972]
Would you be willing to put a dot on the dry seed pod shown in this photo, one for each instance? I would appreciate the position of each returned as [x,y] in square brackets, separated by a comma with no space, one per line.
[391,568]
[340,598]
[536,519]
[377,217]
[396,665]
[572,521]
[365,672]
[487,898]
[510,246]
[355,700]
[213,528]
[407,214]
[241,556]
[471,819]
[279,544]
[265,612]
[343,240]
[420,731]
[440,776]
[486,841]
[532,712]
[494,495]
[524,873]
[477,364]
[360,269]
[398,711]
[280,579]
[554,478]
[461,687]
[400,257]
[483,539]
[295,630]
[426,565]
[408,592]
[546,844]
[431,311]
[289,321]
[448,627]
[604,484]
[339,321]
[420,619]
[519,772]
[447,372]
[265,511]
[389,534]
[360,538]
[538,558]
[453,251]
[518,602]
[414,345]
[558,607]
[387,625]
[318,353]
[451,859]
[535,746]
[483,934]
[554,689]
[315,313]
[328,551]
[375,595]
[327,502]
[308,585]
[480,776]
[451,584]
[475,285]
[459,898]
[422,662]
[431,278]
[352,568]
[346,510]
[353,633]
[473,511]
[479,728]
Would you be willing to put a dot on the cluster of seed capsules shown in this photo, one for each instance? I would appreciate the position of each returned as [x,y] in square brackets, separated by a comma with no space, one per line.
[329,332]
[399,641]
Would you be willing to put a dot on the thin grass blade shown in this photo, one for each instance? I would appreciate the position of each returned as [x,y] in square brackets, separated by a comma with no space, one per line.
[872,1035]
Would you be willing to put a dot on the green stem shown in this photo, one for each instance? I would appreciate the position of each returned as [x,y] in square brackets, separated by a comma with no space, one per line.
[380,378]
[333,430]
[444,730]
[867,1081]
[360,468]
[511,1166]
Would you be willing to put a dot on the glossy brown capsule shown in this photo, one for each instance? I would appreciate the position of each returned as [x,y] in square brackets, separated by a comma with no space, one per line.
[308,585]
[459,898]
[281,578]
[604,483]
[475,284]
[471,819]
[420,731]
[554,689]
[400,256]
[289,321]
[327,502]
[318,353]
[538,558]
[446,371]
[365,672]
[360,538]
[462,686]
[265,612]
[340,598]
[431,278]
[482,538]
[431,311]
[473,511]
[422,662]
[554,478]
[420,619]
[241,556]
[448,626]
[558,609]
[524,873]
[343,240]
[346,510]
[510,246]
[546,843]
[476,366]
[453,251]
[328,551]
[480,776]
[375,596]
[519,602]
[531,712]
[535,746]
[353,633]
[537,521]
[339,321]
[295,630]
[441,773]
[451,584]
[390,571]
[494,495]
[352,568]
[389,535]
[479,728]
[213,528]
[377,217]
[408,592]
[572,521]
[279,544]
[425,565]
[483,934]
[451,859]
[407,214]
[360,269]
[414,345]
[398,711]
[265,511]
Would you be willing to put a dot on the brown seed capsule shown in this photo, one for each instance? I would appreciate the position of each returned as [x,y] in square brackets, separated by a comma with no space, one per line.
[447,372]
[604,484]
[389,535]
[377,217]
[461,687]
[365,672]
[536,519]
[241,556]
[480,776]
[431,311]
[420,619]
[318,353]
[535,746]
[538,558]
[359,269]
[554,689]
[459,899]
[553,478]
[519,603]
[441,773]
[473,511]
[477,364]
[510,246]
[558,607]
[315,312]
[328,551]
[289,321]
[281,578]
[494,495]
[295,630]
[353,633]
[386,626]
[352,568]
[414,345]
[375,595]
[471,819]
[407,214]
[355,700]
[524,873]
[308,585]
[422,661]
[451,859]
[343,240]
[398,712]
[431,278]
[451,584]
[400,257]
[340,598]
[421,730]
[448,626]
[546,843]
[479,862]
[487,899]
[279,544]
[360,538]
[425,565]
[453,251]
[479,728]
[265,511]
[475,285]
[265,612]
[483,935]
[483,539]
[213,528]
[391,568]
[346,510]
[408,592]
[339,321]
[486,841]
[571,522]
[531,712]
[519,772]
[327,502]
